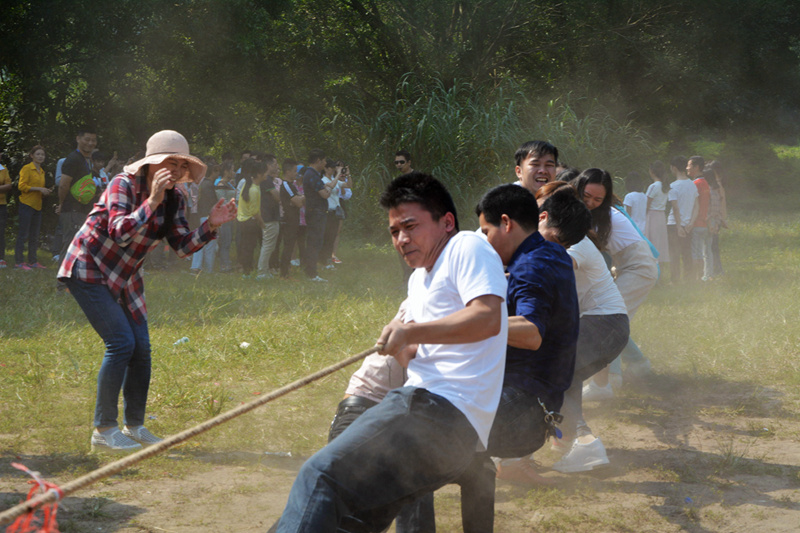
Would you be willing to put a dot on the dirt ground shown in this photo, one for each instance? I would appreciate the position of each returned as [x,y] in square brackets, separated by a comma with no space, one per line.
[701,455]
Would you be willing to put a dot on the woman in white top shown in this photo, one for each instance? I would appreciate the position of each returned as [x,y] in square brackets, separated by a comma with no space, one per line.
[635,267]
[332,177]
[604,326]
[656,228]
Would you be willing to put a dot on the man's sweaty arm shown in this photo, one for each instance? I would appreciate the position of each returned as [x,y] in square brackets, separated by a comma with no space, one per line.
[479,320]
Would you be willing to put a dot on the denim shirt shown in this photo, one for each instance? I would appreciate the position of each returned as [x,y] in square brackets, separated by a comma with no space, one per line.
[541,287]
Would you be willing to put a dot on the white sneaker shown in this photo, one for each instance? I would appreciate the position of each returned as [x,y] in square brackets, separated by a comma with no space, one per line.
[295,262]
[582,457]
[113,440]
[330,267]
[592,392]
[319,279]
[141,435]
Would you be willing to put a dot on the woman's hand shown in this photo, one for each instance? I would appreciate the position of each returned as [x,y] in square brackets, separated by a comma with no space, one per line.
[221,213]
[162,180]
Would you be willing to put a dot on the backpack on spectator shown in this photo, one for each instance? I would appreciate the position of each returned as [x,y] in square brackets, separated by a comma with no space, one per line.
[84,189]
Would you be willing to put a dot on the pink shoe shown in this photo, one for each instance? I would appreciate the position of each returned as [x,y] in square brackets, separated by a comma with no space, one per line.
[38,265]
[22,266]
[336,260]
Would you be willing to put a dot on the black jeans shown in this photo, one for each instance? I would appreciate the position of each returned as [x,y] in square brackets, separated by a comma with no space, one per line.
[600,341]
[315,233]
[290,232]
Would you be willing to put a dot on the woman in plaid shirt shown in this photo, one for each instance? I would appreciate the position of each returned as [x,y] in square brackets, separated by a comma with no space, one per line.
[102,266]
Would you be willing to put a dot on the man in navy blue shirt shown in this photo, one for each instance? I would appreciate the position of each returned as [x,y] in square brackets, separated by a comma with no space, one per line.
[543,322]
[316,193]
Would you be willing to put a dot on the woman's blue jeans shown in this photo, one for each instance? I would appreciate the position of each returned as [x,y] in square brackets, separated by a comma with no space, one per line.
[204,259]
[30,222]
[126,364]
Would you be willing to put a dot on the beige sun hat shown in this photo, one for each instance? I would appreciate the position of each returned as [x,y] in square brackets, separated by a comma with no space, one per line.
[165,144]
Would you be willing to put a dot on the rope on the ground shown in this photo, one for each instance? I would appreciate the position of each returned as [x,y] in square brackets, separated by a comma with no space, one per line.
[110,469]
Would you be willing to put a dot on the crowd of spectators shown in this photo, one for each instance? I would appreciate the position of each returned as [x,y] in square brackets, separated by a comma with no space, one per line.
[290,212]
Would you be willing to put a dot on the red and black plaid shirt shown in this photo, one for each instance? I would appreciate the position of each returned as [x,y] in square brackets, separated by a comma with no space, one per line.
[111,245]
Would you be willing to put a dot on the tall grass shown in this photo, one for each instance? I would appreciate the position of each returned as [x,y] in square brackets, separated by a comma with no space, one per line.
[466,136]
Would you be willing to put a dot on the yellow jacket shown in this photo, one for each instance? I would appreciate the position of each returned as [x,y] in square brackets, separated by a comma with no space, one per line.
[4,180]
[30,177]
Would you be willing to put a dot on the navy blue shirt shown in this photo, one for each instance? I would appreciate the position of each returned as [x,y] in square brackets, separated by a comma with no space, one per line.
[312,184]
[541,287]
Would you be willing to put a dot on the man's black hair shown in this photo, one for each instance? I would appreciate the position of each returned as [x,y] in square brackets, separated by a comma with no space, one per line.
[315,155]
[99,156]
[269,158]
[288,163]
[538,148]
[634,182]
[403,153]
[697,161]
[422,189]
[512,200]
[83,130]
[567,215]
[679,162]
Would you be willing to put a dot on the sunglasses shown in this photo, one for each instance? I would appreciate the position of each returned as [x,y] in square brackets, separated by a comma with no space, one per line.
[400,162]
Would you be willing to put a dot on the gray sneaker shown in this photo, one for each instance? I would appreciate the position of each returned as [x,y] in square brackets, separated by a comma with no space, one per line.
[112,440]
[141,435]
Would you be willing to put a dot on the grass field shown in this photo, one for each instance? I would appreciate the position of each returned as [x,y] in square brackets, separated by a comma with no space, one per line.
[709,442]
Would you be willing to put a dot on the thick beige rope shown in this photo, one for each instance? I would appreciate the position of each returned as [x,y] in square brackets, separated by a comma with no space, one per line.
[6,517]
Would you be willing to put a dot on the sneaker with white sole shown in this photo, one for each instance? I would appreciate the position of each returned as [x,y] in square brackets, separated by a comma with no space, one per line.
[295,262]
[141,435]
[318,279]
[112,440]
[582,457]
[592,392]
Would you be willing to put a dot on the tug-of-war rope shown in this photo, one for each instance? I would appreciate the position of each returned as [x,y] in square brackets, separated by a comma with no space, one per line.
[50,494]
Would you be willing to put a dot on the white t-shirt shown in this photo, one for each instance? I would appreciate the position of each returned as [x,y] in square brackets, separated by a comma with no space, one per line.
[597,292]
[659,197]
[685,192]
[623,234]
[333,199]
[637,201]
[469,375]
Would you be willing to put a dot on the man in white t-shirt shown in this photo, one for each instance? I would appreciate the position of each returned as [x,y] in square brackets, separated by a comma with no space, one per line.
[683,200]
[452,340]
